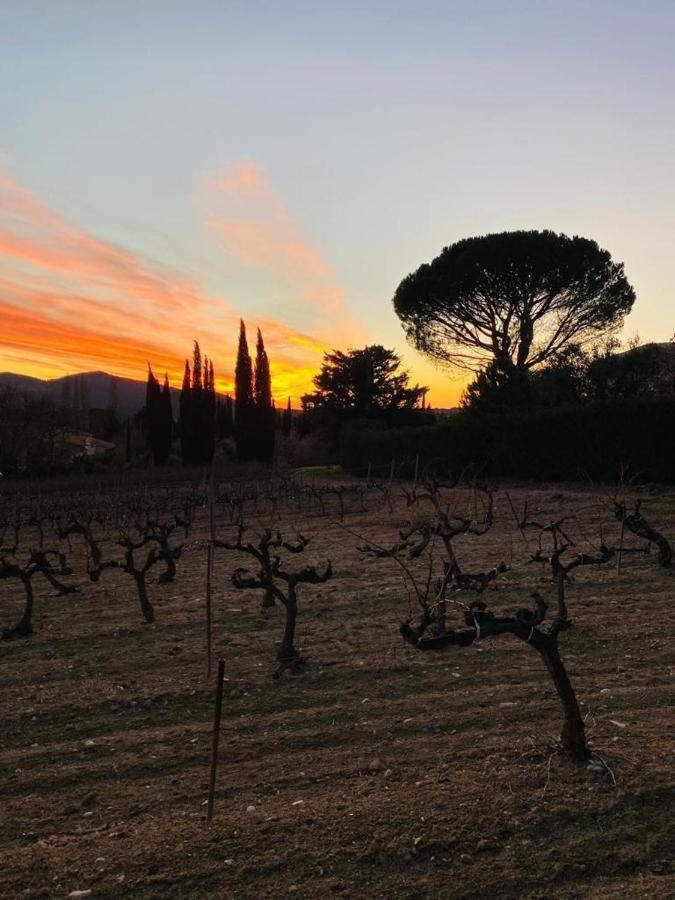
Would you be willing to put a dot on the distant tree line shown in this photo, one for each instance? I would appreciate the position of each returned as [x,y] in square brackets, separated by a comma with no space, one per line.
[577,375]
[600,439]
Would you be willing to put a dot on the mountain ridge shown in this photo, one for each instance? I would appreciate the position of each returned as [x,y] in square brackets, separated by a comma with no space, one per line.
[101,389]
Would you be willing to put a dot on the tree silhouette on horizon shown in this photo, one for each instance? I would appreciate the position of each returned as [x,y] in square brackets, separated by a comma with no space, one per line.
[364,383]
[159,418]
[264,405]
[512,300]
[198,410]
[244,404]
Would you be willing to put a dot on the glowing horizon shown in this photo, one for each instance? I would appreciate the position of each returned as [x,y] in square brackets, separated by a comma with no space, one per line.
[71,302]
[56,276]
[167,169]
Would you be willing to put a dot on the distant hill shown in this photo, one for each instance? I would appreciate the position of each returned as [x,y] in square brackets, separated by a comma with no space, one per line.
[100,389]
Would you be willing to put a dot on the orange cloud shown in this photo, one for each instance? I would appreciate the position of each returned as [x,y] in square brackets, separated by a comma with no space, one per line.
[40,346]
[259,230]
[71,302]
[37,236]
[243,181]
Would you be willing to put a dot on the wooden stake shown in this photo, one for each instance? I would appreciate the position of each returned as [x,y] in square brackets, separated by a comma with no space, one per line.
[618,556]
[391,472]
[209,576]
[417,467]
[216,738]
[209,559]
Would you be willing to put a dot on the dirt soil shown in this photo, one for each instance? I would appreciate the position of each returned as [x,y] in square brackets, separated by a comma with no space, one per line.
[379,771]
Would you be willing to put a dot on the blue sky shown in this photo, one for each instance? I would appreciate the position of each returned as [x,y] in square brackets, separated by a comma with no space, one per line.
[385,131]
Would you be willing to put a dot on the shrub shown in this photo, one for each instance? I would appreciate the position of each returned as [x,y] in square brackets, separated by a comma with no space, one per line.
[598,439]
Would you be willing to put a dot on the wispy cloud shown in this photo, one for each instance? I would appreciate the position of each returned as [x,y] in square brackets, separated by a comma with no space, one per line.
[32,234]
[259,229]
[70,301]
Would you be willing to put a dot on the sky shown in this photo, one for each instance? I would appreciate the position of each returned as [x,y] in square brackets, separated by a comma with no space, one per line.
[167,168]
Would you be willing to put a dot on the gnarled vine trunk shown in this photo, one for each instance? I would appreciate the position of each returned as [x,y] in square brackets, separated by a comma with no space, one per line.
[573,733]
[287,652]
[24,626]
[143,599]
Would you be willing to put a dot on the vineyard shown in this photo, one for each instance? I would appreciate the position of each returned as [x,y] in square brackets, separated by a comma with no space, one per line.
[434,687]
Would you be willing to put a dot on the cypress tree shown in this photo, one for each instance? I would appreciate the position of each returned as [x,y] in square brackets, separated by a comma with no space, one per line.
[198,410]
[262,391]
[166,420]
[196,367]
[186,425]
[205,408]
[209,415]
[154,419]
[243,397]
[264,406]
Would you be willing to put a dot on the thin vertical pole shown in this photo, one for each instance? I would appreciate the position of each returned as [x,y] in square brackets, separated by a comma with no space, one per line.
[216,737]
[209,557]
[618,556]
[417,467]
[209,577]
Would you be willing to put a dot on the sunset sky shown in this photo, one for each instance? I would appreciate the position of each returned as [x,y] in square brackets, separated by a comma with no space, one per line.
[167,168]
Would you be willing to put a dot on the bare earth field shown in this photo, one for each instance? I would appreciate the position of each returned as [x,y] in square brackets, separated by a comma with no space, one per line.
[378,772]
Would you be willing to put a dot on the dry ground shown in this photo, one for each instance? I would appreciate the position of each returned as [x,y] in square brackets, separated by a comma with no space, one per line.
[377,773]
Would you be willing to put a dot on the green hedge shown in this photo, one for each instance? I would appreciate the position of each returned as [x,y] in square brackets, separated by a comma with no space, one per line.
[567,443]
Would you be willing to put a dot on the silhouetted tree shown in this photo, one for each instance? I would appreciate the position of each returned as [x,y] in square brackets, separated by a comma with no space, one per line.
[186,425]
[152,396]
[158,418]
[513,299]
[264,405]
[575,375]
[637,372]
[244,405]
[363,382]
[497,389]
[208,429]
[196,368]
[30,433]
[198,410]
[166,421]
